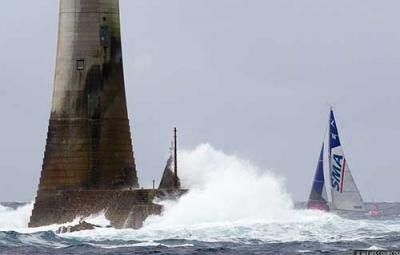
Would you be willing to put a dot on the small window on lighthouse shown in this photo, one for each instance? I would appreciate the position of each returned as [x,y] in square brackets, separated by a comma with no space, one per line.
[80,64]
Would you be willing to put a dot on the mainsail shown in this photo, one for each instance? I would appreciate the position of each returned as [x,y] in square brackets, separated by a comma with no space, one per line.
[345,194]
[318,197]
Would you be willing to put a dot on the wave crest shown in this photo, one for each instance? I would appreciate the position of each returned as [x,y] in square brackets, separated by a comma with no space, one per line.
[224,188]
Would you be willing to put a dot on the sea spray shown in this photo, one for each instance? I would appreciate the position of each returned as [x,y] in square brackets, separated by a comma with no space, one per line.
[98,219]
[17,219]
[231,200]
[224,188]
[12,219]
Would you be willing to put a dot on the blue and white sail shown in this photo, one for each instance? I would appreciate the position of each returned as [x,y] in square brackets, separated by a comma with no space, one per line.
[318,197]
[345,194]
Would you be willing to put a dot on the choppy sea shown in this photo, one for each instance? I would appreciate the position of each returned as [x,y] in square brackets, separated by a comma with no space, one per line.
[311,233]
[232,208]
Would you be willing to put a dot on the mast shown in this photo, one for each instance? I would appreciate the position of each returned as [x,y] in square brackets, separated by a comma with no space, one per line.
[330,154]
[175,158]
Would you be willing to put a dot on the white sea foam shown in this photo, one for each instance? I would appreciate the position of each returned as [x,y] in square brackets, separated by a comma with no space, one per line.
[232,200]
[98,219]
[11,219]
[17,220]
[224,189]
[229,200]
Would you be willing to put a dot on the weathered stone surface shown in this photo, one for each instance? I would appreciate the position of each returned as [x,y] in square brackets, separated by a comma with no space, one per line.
[169,180]
[88,163]
[83,225]
[124,209]
[89,142]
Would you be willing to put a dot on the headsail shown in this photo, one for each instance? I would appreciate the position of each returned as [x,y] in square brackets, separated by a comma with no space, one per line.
[318,197]
[345,194]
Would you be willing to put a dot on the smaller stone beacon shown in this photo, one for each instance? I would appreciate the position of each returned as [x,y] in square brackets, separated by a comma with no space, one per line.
[89,149]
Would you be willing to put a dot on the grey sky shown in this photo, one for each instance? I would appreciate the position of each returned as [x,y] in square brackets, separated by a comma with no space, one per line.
[252,78]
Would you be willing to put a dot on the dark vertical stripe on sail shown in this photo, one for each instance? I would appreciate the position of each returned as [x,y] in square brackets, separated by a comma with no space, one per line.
[342,177]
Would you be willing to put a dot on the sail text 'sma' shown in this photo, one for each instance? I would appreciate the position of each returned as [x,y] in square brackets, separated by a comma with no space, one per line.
[345,194]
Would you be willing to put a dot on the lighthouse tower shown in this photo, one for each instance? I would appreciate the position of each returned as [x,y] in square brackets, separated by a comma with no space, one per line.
[89,146]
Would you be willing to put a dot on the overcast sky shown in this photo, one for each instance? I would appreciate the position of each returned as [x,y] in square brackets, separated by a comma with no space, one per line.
[252,78]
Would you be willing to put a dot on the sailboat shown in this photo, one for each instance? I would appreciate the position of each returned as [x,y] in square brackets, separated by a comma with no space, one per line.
[344,192]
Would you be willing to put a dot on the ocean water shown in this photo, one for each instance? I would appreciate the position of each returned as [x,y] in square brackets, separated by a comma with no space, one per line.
[232,208]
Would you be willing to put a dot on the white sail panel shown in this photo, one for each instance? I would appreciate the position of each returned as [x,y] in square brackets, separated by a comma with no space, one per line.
[345,194]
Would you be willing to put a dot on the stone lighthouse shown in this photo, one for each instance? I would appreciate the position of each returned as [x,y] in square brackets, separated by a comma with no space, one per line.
[88,160]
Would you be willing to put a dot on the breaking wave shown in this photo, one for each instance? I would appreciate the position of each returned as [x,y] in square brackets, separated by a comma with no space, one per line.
[224,189]
[230,200]
[12,219]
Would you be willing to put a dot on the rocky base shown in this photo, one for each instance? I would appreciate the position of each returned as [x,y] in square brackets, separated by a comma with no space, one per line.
[124,209]
[83,225]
